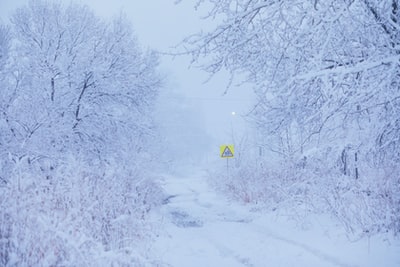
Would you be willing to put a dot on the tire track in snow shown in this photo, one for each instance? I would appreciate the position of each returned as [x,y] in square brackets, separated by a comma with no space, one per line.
[189,193]
[316,252]
[227,252]
[182,217]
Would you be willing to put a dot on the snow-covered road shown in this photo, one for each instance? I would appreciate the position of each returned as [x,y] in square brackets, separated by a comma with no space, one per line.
[203,229]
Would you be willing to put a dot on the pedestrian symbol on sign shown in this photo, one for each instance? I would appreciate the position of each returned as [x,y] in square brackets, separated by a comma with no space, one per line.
[226,151]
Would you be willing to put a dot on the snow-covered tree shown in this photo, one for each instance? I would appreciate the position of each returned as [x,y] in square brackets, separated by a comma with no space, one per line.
[312,62]
[76,106]
[4,55]
[92,84]
[4,45]
[327,74]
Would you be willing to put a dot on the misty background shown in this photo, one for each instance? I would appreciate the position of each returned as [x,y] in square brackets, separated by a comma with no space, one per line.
[194,110]
[111,127]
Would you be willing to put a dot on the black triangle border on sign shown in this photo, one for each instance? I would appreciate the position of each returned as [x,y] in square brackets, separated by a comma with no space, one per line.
[226,151]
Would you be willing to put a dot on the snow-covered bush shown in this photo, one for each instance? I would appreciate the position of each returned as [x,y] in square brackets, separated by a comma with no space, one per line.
[76,215]
[367,205]
[364,206]
[278,185]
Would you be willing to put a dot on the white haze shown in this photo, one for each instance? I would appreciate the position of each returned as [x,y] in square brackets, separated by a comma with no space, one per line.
[152,190]
[208,121]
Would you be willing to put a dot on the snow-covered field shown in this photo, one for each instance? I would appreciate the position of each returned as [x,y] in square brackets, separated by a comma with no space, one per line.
[204,229]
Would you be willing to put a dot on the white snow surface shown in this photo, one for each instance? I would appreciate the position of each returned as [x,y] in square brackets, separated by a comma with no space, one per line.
[202,228]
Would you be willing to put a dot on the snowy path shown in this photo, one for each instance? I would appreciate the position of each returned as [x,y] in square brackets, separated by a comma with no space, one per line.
[203,229]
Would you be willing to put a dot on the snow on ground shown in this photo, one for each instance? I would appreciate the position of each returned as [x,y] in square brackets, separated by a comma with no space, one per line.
[204,229]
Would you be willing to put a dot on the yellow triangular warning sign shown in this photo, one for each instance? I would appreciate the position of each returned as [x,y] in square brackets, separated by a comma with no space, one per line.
[227,151]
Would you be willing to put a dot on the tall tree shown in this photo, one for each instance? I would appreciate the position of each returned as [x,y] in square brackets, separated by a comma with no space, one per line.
[91,83]
[76,117]
[4,45]
[327,76]
[323,70]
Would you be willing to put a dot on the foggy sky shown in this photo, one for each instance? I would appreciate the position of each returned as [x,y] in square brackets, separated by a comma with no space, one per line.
[160,25]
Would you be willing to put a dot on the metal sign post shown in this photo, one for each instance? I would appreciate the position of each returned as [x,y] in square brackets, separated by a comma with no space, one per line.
[227,167]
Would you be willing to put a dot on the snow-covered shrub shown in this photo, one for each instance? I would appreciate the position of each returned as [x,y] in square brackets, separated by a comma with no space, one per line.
[365,205]
[274,186]
[76,215]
